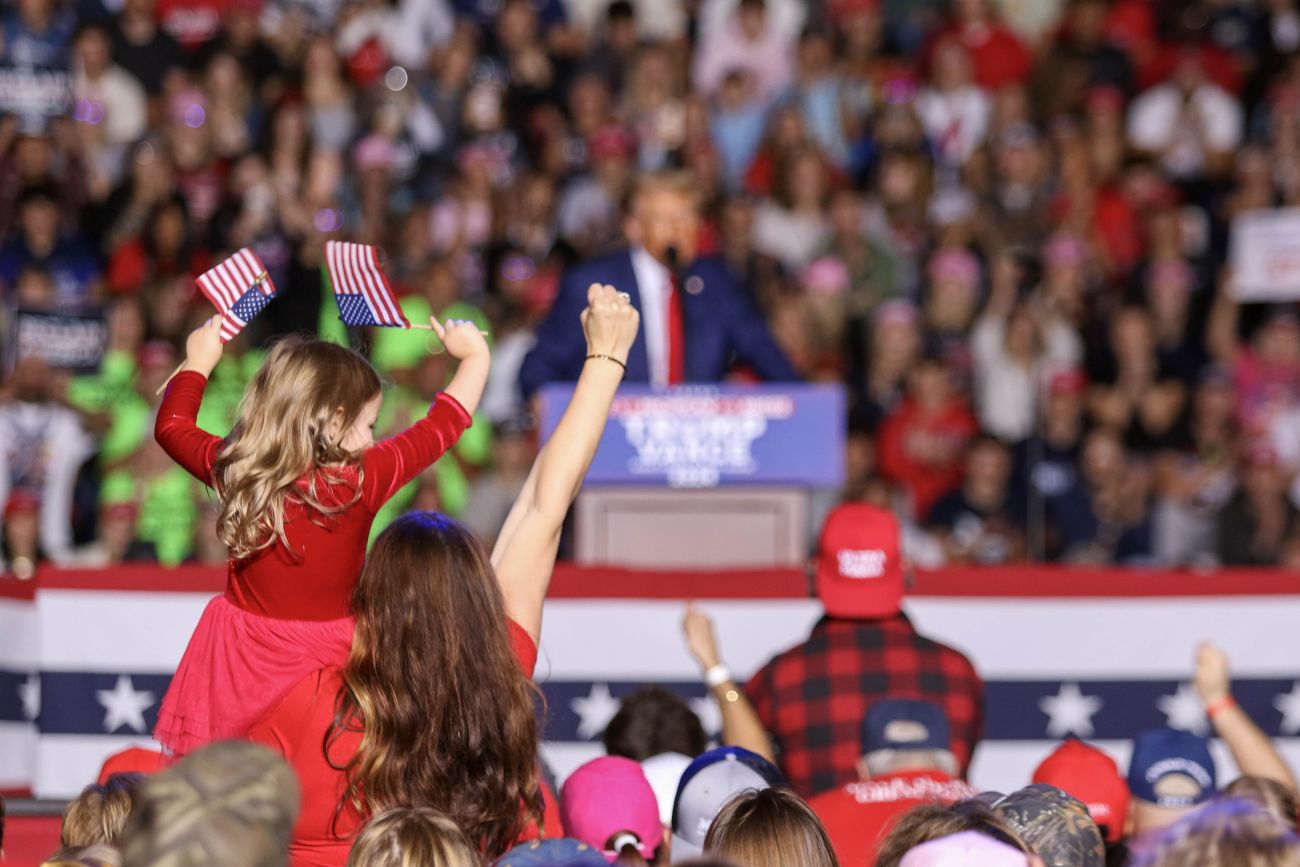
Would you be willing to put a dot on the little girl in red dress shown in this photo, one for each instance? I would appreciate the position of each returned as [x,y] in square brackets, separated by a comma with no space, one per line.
[299,480]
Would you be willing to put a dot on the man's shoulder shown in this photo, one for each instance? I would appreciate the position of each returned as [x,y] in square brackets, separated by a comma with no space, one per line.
[595,270]
[952,656]
[714,268]
[620,258]
[791,656]
[948,509]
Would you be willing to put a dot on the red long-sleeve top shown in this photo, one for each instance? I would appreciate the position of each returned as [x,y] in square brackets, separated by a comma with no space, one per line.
[313,578]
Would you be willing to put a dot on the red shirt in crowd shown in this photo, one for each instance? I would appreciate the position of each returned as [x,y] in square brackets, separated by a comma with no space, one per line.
[313,580]
[297,728]
[923,451]
[132,265]
[997,55]
[813,697]
[859,815]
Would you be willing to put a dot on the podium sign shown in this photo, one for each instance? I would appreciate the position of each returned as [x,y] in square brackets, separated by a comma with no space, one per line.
[703,436]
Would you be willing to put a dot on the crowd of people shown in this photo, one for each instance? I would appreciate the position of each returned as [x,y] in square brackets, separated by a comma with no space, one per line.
[1003,226]
[421,751]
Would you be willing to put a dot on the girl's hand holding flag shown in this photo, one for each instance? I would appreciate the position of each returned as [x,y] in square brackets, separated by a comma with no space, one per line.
[203,347]
[239,287]
[465,343]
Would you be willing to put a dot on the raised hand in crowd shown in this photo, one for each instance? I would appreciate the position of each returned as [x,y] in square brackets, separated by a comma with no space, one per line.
[465,343]
[610,323]
[1254,752]
[203,348]
[741,726]
[525,552]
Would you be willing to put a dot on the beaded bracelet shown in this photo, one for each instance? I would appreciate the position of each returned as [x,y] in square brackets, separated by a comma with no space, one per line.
[608,358]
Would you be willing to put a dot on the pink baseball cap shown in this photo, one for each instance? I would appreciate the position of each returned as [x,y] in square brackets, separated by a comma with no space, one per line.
[967,849]
[895,311]
[954,264]
[859,573]
[374,152]
[1174,272]
[826,276]
[1064,250]
[607,797]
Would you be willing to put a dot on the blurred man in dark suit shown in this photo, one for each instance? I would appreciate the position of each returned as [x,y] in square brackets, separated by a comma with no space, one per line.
[695,318]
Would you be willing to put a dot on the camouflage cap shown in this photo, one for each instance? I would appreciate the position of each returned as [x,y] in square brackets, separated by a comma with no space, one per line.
[1055,825]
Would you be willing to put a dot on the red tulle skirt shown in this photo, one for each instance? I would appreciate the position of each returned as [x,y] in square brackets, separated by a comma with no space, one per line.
[237,667]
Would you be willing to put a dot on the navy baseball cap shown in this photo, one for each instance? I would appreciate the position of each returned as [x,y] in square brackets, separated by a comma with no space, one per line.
[1171,768]
[707,784]
[563,852]
[905,724]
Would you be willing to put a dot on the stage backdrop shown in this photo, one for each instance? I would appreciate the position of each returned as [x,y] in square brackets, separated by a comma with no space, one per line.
[85,657]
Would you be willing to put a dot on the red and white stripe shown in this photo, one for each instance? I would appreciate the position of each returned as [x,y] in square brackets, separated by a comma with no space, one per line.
[227,282]
[354,270]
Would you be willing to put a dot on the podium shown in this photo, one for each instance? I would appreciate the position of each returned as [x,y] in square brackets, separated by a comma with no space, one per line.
[706,476]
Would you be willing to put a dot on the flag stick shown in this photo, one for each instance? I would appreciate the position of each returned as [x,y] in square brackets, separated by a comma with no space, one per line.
[420,327]
[168,380]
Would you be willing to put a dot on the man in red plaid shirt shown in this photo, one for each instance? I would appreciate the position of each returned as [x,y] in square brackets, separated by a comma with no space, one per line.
[813,697]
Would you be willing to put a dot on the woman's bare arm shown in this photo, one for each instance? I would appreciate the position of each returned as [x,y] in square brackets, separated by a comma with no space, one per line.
[524,556]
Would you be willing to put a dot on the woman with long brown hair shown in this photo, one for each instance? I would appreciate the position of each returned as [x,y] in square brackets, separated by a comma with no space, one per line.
[434,707]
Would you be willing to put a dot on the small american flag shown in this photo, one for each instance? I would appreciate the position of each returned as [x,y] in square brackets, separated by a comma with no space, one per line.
[360,288]
[239,288]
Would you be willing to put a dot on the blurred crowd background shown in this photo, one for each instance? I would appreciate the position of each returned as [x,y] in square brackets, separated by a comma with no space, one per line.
[1003,226]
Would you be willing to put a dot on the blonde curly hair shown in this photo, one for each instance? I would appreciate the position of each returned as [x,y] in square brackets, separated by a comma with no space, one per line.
[288,442]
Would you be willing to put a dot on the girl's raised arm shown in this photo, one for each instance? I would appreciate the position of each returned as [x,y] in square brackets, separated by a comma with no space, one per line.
[524,556]
[176,428]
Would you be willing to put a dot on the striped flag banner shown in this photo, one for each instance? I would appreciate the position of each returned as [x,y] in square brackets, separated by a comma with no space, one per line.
[360,288]
[239,288]
[1079,657]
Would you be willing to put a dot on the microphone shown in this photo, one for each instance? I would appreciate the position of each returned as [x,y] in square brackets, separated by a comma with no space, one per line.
[673,259]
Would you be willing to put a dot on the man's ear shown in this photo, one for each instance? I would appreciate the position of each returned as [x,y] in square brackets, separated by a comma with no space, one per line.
[864,772]
[631,229]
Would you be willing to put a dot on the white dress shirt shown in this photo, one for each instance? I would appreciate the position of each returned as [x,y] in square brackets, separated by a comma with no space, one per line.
[653,280]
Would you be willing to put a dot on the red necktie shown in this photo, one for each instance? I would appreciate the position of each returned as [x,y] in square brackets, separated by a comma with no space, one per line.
[676,334]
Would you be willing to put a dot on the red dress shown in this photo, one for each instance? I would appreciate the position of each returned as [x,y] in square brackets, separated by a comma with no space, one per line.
[297,727]
[285,612]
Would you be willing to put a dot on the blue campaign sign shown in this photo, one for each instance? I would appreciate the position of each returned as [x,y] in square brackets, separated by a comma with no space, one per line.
[703,436]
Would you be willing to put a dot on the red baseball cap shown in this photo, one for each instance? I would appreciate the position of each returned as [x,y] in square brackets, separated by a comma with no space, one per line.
[1090,775]
[859,573]
[155,353]
[132,760]
[1067,380]
[611,141]
[22,502]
